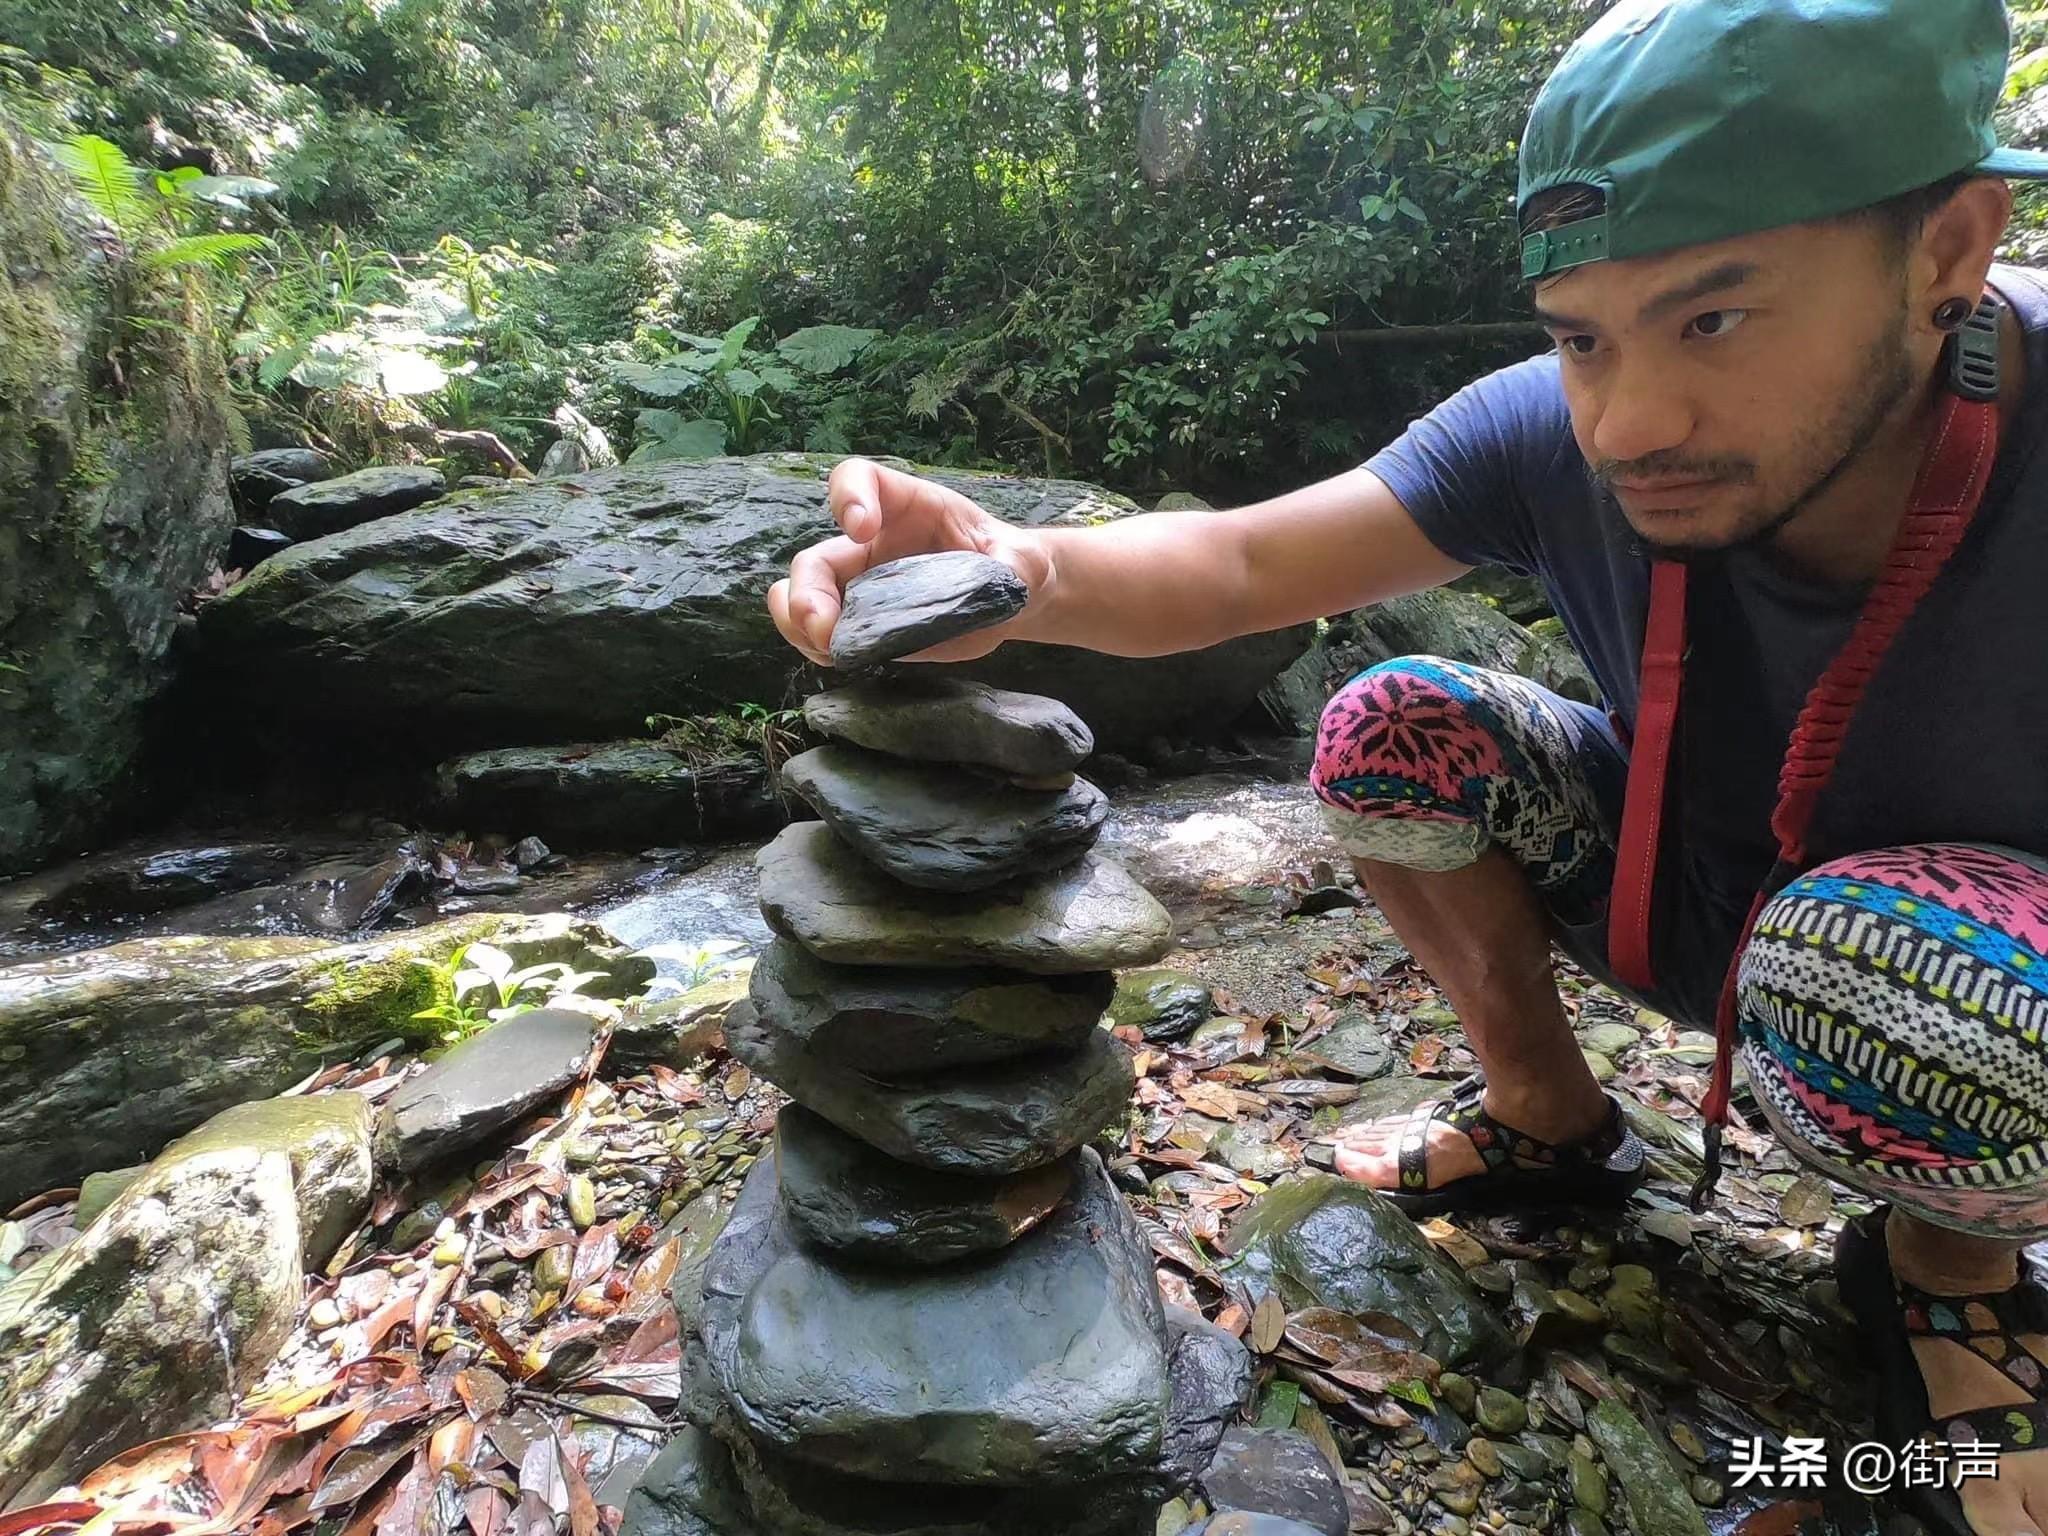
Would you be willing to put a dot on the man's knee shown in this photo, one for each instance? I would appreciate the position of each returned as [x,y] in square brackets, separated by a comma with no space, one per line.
[1894,1006]
[1404,733]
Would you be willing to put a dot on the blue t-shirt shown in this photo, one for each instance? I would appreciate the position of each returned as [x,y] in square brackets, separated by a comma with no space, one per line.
[1951,741]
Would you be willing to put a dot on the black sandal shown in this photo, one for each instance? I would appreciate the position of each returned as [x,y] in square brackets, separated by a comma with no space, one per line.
[1891,1313]
[1521,1170]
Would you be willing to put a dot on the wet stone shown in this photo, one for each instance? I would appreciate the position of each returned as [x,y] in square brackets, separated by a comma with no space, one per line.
[1162,1005]
[899,1374]
[1238,1522]
[950,720]
[1583,1522]
[1525,1463]
[1581,1309]
[1460,1391]
[841,1195]
[1658,1503]
[1632,1301]
[1652,1359]
[925,600]
[941,829]
[1356,1046]
[1090,916]
[1325,1241]
[1588,1484]
[688,1490]
[1277,1472]
[984,1121]
[1500,1412]
[1211,1376]
[1484,1455]
[898,1020]
[483,1085]
[1609,1037]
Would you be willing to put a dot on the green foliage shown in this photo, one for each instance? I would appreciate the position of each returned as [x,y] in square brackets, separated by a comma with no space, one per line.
[743,388]
[150,211]
[481,985]
[745,730]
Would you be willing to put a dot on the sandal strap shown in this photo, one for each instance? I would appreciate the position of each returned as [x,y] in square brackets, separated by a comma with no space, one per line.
[1500,1146]
[2013,1427]
[1988,1325]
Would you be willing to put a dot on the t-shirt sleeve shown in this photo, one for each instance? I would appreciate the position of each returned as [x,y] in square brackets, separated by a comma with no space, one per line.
[1467,471]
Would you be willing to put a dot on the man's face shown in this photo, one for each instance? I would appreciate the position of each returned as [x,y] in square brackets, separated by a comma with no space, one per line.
[1717,390]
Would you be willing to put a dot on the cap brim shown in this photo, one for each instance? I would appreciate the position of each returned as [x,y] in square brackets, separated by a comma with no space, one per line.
[2027,163]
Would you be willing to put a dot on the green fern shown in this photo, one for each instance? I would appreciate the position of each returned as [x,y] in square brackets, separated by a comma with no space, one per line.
[216,251]
[106,178]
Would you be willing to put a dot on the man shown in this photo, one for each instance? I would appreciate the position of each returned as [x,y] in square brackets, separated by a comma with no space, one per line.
[1759,234]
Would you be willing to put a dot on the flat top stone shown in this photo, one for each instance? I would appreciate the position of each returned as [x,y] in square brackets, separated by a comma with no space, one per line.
[378,482]
[944,828]
[950,720]
[486,1082]
[925,600]
[1041,1364]
[1089,916]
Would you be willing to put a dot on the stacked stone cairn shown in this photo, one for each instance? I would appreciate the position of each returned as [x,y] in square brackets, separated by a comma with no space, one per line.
[931,1313]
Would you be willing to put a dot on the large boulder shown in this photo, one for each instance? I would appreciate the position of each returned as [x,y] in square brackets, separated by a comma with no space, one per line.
[1455,625]
[113,506]
[613,794]
[106,1054]
[153,1321]
[571,609]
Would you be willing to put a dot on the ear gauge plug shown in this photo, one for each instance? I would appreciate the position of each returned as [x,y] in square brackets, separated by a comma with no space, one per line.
[1950,314]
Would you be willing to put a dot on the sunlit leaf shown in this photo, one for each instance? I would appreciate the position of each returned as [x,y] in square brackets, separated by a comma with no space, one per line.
[825,348]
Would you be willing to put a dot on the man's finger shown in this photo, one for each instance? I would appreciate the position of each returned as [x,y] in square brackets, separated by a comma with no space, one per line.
[778,610]
[854,493]
[817,576]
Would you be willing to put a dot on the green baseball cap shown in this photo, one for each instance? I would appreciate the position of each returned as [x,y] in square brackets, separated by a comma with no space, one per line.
[1701,120]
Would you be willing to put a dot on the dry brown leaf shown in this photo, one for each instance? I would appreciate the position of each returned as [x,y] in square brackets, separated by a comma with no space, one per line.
[1211,1099]
[1269,1324]
[482,1390]
[1233,1320]
[1427,1052]
[1455,1243]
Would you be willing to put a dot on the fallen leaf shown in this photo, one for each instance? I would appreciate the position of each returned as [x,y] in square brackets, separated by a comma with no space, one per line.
[482,1390]
[37,1516]
[1427,1052]
[736,1083]
[1460,1246]
[1233,1320]
[1210,1099]
[486,1509]
[1808,1203]
[1269,1324]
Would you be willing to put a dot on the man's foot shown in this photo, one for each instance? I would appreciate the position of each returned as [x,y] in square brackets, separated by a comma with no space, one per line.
[1371,1153]
[1960,1373]
[1455,1153]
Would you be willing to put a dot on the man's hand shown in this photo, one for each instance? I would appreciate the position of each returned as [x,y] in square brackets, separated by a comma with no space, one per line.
[885,515]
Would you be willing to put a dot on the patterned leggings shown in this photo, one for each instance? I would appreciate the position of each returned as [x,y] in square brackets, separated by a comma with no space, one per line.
[1892,1002]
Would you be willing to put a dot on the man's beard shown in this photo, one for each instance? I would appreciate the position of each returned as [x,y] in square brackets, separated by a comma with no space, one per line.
[1888,372]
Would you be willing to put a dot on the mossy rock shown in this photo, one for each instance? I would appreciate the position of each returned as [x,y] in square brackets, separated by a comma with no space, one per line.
[107,1054]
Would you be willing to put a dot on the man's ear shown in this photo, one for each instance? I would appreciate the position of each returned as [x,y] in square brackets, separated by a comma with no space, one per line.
[1957,245]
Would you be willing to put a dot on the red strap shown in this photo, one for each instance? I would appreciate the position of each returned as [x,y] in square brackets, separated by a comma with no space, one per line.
[1649,765]
[1953,477]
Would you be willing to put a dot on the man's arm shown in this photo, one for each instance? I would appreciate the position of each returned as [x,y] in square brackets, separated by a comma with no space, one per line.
[1164,582]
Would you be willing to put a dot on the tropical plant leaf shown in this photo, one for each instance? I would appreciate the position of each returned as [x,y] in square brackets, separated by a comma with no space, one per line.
[825,348]
[744,382]
[106,178]
[663,381]
[217,251]
[669,436]
[735,341]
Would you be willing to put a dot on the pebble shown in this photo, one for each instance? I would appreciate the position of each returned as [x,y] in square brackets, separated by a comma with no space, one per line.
[1707,1491]
[1461,1392]
[1588,1277]
[1651,1358]
[450,1251]
[1632,1301]
[582,1201]
[1583,1522]
[1589,1484]
[1501,1412]
[1530,1466]
[1491,1278]
[323,1314]
[1455,1525]
[490,1302]
[1484,1456]
[1554,1449]
[1580,1308]
[551,1271]
[1459,1501]
[1689,1443]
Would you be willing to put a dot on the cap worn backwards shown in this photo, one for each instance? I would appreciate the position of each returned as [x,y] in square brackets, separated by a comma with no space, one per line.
[1702,120]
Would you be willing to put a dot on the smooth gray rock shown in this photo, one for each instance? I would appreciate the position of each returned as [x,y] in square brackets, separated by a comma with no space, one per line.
[1212,1380]
[485,1083]
[250,547]
[1277,1472]
[106,1054]
[897,1021]
[1322,1241]
[1161,1005]
[944,829]
[1652,1490]
[982,1121]
[129,884]
[115,509]
[843,1197]
[688,1490]
[620,593]
[1090,916]
[947,719]
[923,600]
[612,794]
[295,464]
[1041,1365]
[326,1140]
[315,510]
